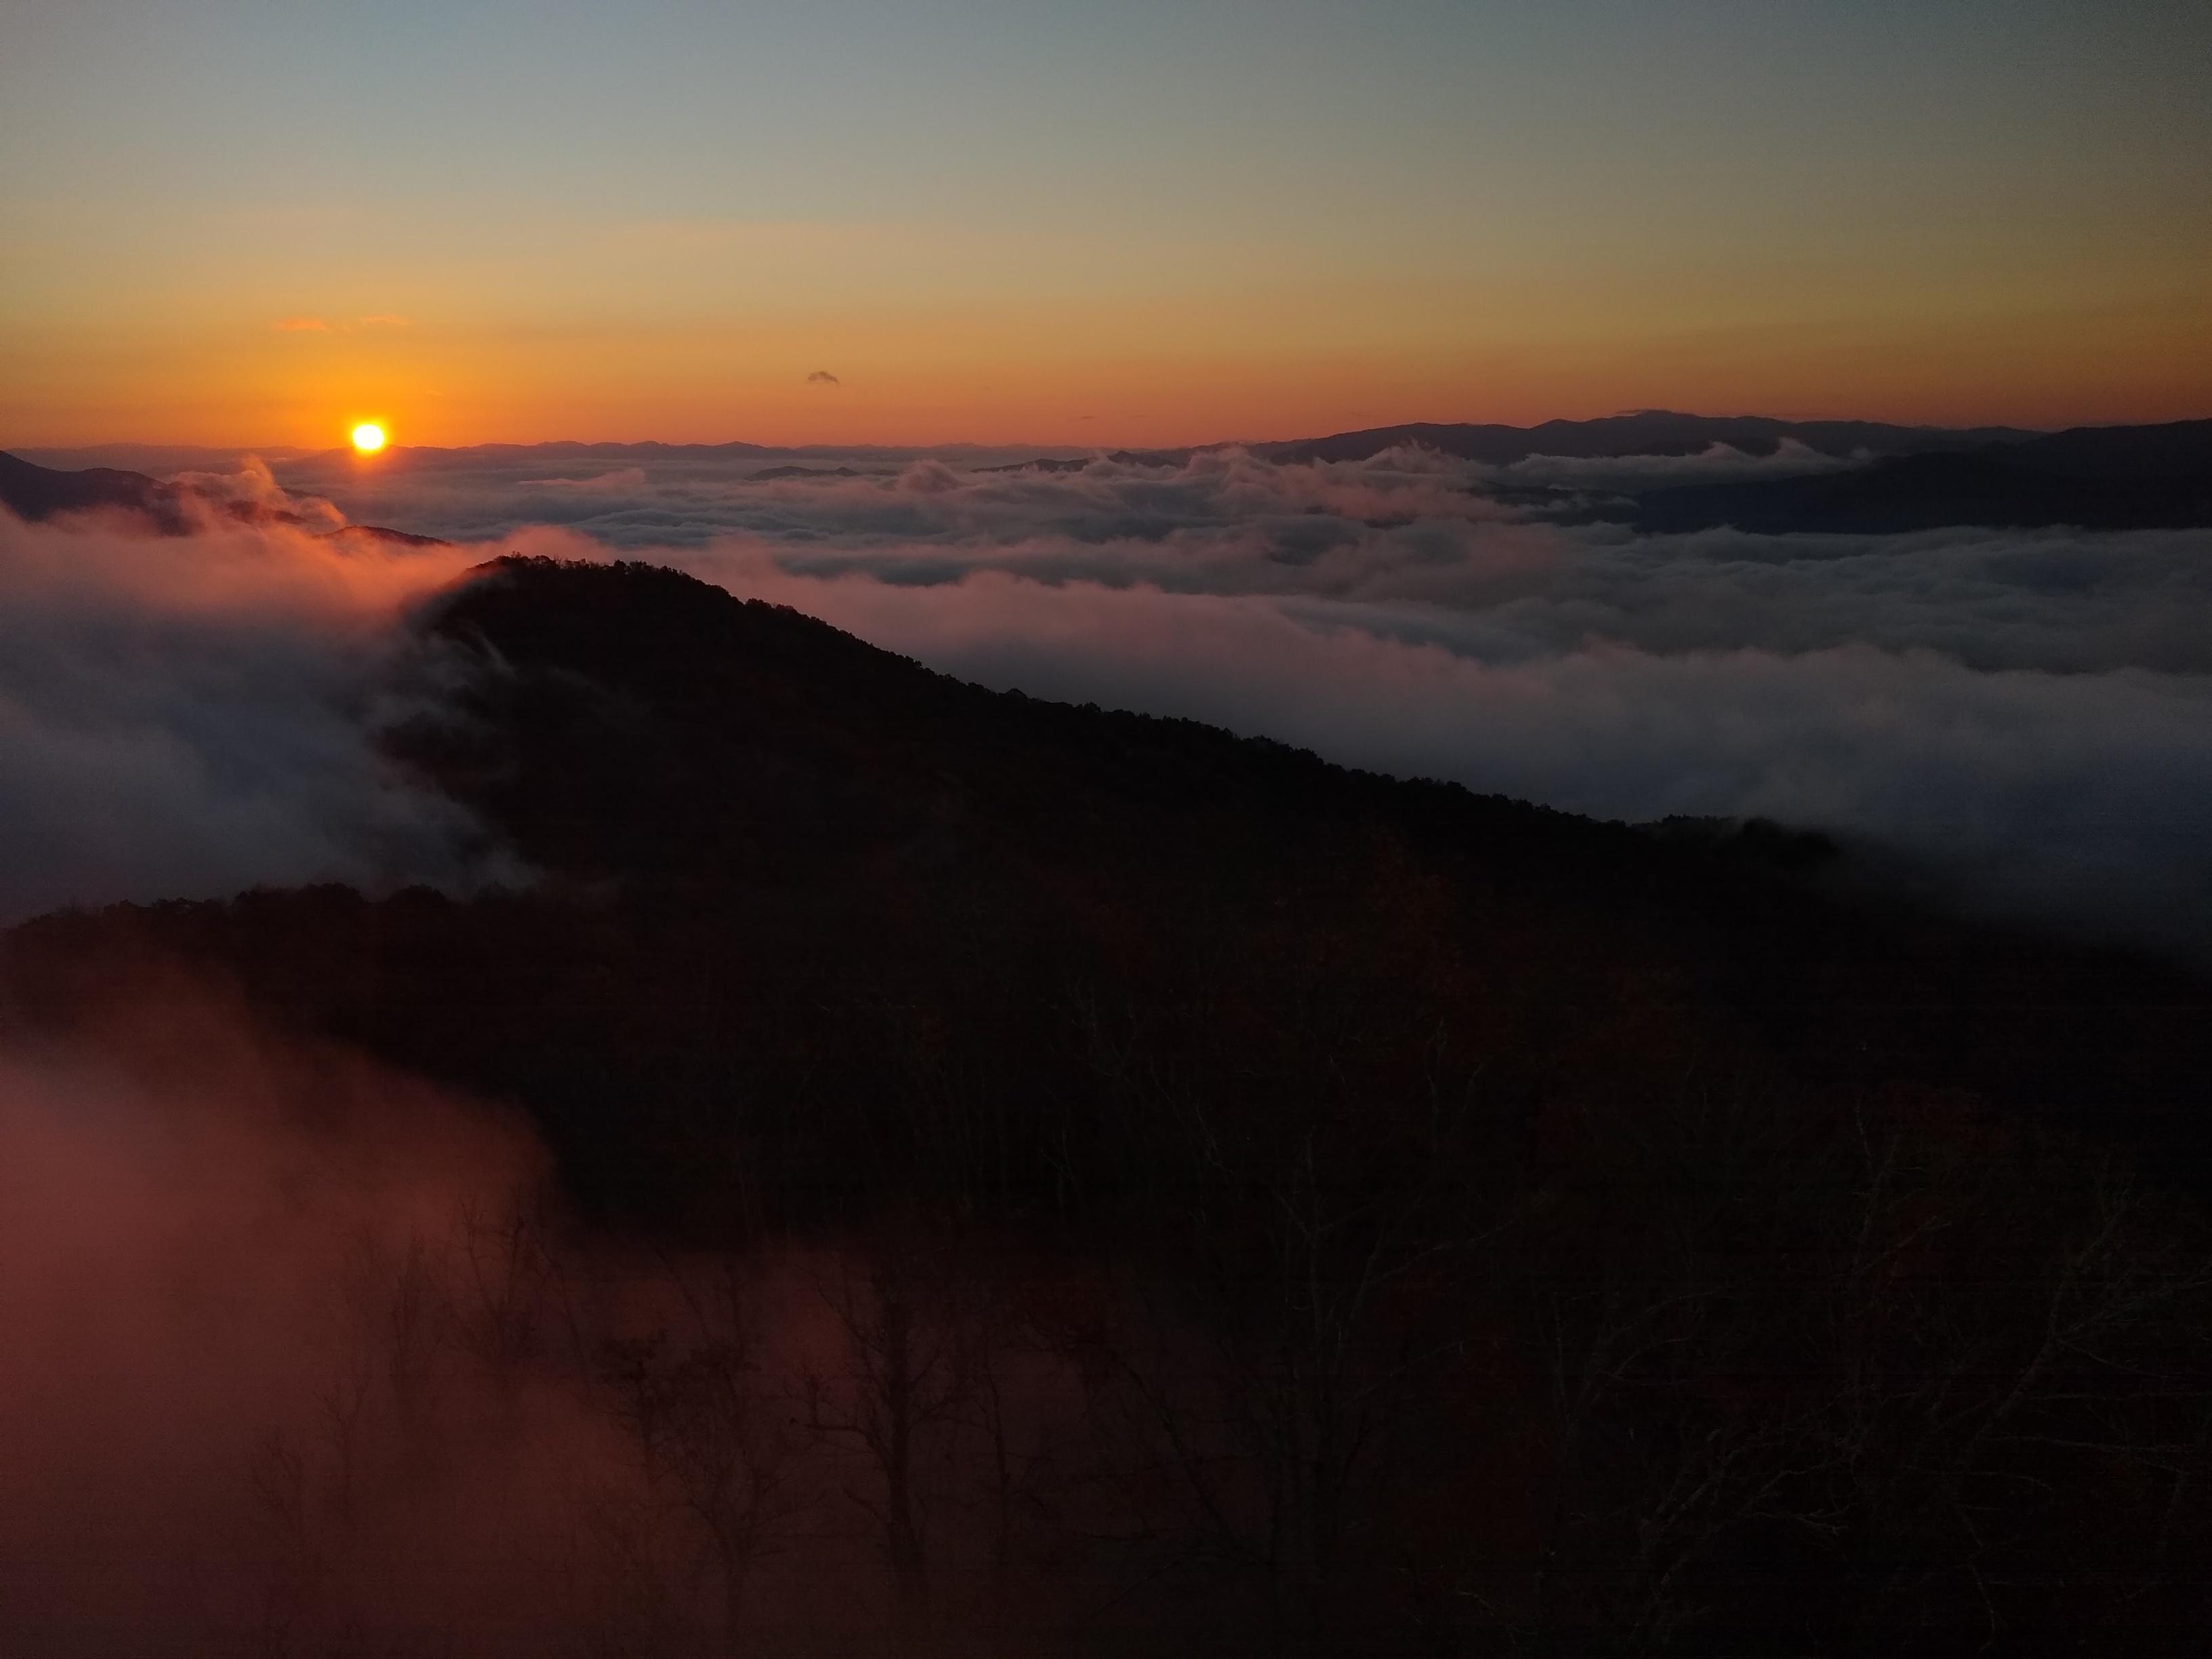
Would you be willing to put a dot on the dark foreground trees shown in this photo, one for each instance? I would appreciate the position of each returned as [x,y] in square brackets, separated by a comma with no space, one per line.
[1705,1376]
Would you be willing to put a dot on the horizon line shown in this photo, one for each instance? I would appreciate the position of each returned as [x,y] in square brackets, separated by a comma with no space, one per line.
[299,451]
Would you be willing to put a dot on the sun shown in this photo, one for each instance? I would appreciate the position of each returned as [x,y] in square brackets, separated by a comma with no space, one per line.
[369,437]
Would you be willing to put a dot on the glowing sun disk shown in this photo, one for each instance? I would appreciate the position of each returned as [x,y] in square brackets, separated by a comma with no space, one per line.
[369,437]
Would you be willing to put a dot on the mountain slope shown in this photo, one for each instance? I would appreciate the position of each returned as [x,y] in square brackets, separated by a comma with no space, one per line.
[1647,432]
[740,807]
[34,493]
[2097,477]
[1503,1176]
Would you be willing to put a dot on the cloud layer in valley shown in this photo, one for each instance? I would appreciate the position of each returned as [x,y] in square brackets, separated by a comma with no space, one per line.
[2023,715]
[186,717]
[2080,799]
[2029,711]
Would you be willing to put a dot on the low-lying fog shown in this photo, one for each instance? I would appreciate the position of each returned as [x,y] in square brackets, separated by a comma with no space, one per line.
[2025,715]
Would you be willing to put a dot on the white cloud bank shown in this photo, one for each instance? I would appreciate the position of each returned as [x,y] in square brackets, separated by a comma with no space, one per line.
[183,717]
[2030,711]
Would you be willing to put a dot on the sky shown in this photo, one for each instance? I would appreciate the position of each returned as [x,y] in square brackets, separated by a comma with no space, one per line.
[257,221]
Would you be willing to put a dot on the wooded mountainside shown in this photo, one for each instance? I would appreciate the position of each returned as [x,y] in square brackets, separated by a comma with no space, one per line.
[1305,1211]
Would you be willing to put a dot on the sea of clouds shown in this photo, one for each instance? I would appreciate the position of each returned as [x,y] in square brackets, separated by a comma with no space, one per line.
[2021,717]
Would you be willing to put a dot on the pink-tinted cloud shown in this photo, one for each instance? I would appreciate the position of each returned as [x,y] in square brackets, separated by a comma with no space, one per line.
[188,716]
[230,1391]
[303,1357]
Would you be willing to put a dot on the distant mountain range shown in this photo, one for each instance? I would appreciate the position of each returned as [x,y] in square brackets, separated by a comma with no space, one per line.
[1906,477]
[776,474]
[1646,432]
[2143,477]
[1913,478]
[1611,437]
[34,493]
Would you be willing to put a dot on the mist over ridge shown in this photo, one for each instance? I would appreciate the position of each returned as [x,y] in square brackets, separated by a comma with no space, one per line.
[2019,714]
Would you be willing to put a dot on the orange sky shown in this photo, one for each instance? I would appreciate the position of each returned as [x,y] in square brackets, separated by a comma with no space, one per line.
[228,226]
[1158,370]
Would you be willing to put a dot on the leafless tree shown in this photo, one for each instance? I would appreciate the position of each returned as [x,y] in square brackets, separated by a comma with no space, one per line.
[711,1432]
[906,1388]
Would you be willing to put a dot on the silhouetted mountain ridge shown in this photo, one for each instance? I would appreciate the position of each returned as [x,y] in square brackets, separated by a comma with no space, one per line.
[752,790]
[2154,476]
[33,493]
[2157,478]
[1644,432]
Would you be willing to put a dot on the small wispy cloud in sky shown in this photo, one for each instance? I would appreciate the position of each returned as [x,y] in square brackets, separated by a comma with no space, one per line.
[823,377]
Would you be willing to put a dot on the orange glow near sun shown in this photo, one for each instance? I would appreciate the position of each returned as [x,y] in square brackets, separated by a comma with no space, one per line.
[369,437]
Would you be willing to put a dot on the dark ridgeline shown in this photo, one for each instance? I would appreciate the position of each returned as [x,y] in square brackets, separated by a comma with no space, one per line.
[775,474]
[1643,432]
[2156,478]
[1901,478]
[1609,437]
[34,493]
[1458,1227]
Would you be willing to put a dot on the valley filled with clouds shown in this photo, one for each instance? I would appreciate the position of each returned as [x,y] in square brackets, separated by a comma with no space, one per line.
[2020,717]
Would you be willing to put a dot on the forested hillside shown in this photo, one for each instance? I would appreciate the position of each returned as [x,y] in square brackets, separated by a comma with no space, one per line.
[1281,1209]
